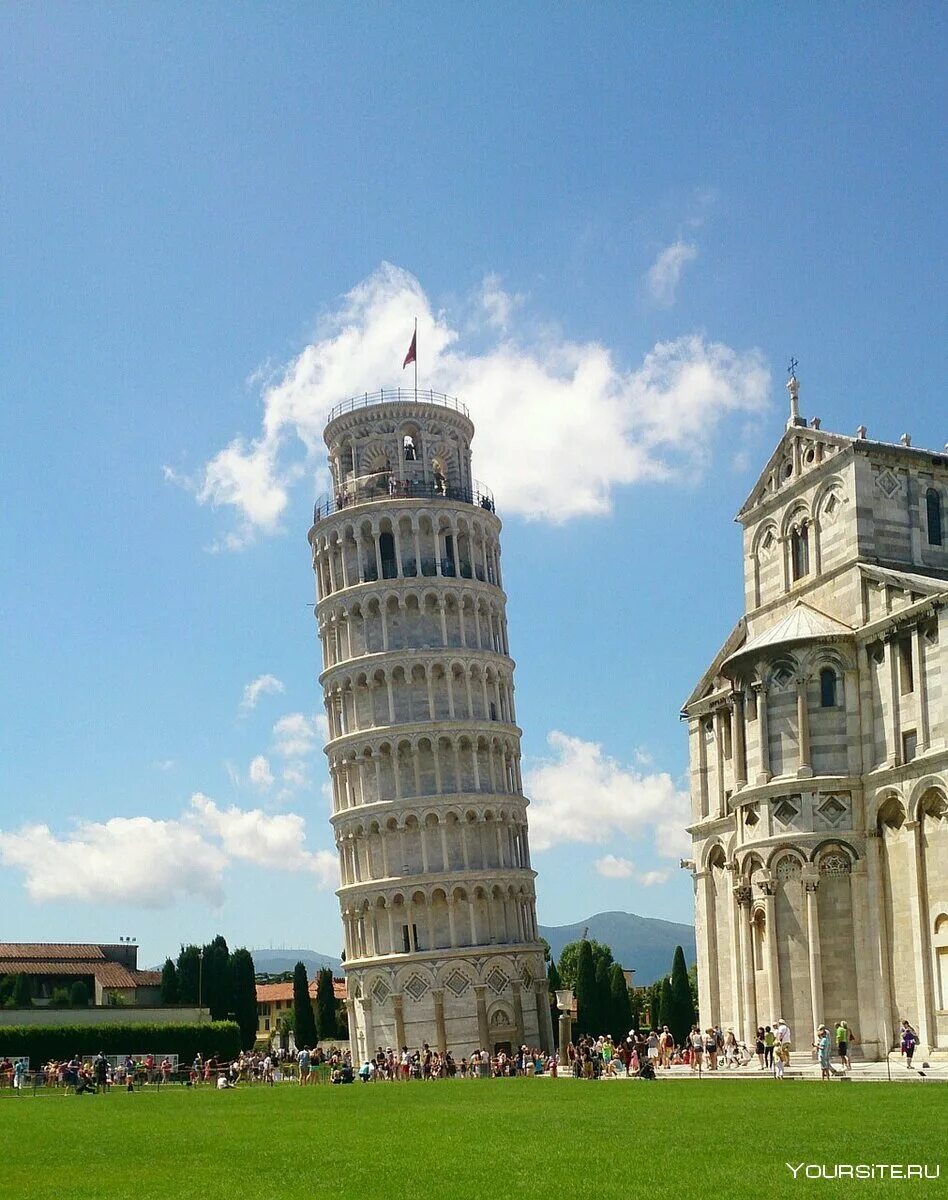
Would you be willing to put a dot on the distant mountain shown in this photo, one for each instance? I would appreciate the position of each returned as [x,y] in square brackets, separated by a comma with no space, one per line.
[642,944]
[275,962]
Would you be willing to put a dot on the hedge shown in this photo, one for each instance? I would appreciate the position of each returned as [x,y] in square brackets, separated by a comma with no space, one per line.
[41,1043]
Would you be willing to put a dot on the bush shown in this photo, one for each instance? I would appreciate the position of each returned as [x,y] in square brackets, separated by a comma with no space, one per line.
[40,1043]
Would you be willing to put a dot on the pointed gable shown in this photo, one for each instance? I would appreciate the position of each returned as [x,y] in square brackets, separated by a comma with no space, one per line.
[799,452]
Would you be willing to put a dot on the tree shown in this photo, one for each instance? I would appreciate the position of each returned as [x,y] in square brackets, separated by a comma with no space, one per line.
[79,995]
[244,991]
[603,996]
[169,983]
[304,1023]
[218,984]
[588,1014]
[622,1020]
[569,959]
[681,1012]
[327,1015]
[22,991]
[189,975]
[59,998]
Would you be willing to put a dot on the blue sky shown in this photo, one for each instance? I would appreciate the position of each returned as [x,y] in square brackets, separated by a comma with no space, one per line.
[615,223]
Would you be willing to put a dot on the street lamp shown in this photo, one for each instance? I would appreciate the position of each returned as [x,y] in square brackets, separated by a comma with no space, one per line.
[564,1002]
[200,982]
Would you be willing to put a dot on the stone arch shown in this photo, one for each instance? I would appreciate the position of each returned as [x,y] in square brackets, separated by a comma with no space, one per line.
[928,794]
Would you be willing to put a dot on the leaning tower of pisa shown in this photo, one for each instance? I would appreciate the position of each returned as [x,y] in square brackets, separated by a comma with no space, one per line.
[437,890]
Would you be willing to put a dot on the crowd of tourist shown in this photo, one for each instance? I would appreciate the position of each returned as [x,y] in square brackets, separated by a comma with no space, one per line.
[638,1055]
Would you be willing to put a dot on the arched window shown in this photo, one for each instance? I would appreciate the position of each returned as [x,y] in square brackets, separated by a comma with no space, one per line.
[933,506]
[800,551]
[828,688]
[387,555]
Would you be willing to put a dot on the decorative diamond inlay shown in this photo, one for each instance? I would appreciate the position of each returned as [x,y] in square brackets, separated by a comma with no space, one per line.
[497,980]
[785,812]
[457,982]
[381,991]
[832,810]
[416,987]
[887,482]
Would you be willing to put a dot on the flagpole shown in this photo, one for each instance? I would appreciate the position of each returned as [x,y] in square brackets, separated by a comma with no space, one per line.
[416,360]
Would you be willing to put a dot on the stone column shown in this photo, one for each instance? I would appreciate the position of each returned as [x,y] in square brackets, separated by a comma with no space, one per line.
[719,718]
[440,1030]
[764,775]
[516,988]
[738,742]
[878,938]
[483,1033]
[869,994]
[918,670]
[805,767]
[368,1026]
[736,1016]
[768,889]
[398,1002]
[894,756]
[918,909]
[810,884]
[703,928]
[566,1036]
[703,769]
[742,894]
[353,1025]
[544,1016]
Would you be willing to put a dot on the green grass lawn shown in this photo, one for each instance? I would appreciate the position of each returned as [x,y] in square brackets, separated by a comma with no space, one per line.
[464,1140]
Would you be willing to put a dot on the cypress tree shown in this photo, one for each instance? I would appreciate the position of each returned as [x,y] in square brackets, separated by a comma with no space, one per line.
[218,984]
[169,983]
[622,1020]
[587,1016]
[189,975]
[244,989]
[22,992]
[304,1024]
[681,1012]
[327,1017]
[603,997]
[79,995]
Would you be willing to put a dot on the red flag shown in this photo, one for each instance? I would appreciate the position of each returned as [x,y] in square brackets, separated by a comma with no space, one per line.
[411,356]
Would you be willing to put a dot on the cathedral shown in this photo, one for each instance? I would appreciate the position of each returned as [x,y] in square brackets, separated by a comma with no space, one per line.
[819,751]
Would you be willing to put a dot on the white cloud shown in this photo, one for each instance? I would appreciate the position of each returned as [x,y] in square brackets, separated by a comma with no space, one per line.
[613,867]
[263,685]
[560,424]
[125,860]
[294,735]
[259,773]
[164,764]
[664,275]
[268,839]
[152,863]
[580,794]
[497,304]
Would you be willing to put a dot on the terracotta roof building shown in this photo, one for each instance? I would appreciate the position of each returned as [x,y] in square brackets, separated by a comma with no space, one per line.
[275,999]
[110,972]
